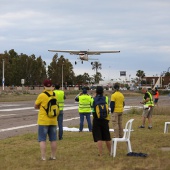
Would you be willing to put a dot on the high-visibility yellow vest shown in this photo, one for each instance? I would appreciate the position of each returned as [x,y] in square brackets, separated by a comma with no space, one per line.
[60,98]
[150,102]
[85,103]
[107,99]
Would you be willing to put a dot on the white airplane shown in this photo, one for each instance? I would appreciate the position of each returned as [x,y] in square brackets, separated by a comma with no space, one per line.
[83,55]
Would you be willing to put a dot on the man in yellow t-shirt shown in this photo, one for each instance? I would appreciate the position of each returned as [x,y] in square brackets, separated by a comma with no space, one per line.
[46,125]
[117,105]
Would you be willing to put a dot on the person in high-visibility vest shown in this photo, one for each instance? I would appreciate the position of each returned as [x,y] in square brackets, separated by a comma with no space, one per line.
[148,105]
[85,103]
[60,100]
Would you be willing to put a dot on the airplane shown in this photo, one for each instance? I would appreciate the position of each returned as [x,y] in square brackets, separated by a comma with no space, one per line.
[83,55]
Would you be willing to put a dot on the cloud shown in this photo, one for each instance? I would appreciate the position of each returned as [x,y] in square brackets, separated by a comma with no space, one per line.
[139,29]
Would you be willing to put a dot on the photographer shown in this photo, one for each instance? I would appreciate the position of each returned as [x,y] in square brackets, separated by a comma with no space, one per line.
[85,102]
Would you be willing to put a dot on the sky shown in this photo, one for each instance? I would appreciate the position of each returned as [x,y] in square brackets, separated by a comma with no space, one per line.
[140,30]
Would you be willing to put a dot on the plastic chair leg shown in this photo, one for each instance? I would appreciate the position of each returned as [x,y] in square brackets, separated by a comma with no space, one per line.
[111,152]
[129,146]
[115,147]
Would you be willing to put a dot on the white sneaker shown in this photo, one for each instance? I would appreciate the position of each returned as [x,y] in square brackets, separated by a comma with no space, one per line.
[52,158]
[43,159]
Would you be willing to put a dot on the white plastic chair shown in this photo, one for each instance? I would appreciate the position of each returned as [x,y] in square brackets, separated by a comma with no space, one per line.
[126,138]
[166,127]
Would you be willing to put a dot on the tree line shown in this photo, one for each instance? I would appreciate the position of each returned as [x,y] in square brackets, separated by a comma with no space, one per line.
[34,70]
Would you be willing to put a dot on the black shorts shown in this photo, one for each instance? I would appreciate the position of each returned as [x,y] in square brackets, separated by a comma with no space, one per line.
[156,100]
[100,130]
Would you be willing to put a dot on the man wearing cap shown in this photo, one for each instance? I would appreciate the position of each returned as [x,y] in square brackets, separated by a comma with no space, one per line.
[60,100]
[46,125]
[85,102]
[100,128]
[148,105]
[117,105]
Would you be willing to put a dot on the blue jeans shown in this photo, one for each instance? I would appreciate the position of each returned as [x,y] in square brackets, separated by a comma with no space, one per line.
[44,130]
[60,125]
[87,115]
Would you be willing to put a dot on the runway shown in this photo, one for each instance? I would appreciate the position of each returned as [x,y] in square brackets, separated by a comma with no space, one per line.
[20,117]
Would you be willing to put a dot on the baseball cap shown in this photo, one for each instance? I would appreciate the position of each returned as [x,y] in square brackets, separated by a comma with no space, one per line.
[47,83]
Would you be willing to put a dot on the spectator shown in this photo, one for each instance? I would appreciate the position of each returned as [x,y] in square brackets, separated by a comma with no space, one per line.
[60,100]
[85,102]
[116,105]
[101,126]
[46,125]
[147,109]
[156,96]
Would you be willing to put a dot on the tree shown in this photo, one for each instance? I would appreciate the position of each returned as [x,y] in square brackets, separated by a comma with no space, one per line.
[79,79]
[96,66]
[97,77]
[86,78]
[61,67]
[167,74]
[140,74]
[21,66]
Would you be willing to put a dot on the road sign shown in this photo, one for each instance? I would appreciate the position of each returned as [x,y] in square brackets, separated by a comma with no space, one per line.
[122,73]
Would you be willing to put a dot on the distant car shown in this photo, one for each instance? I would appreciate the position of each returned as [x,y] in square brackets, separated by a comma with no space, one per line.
[123,88]
[92,87]
[168,88]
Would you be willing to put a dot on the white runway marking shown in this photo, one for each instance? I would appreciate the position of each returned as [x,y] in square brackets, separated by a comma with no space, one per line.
[8,105]
[26,108]
[7,115]
[32,125]
[14,109]
[71,119]
[18,127]
[26,126]
[71,108]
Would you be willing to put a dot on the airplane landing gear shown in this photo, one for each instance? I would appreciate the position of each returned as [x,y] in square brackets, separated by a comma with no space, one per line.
[91,63]
[81,62]
[75,62]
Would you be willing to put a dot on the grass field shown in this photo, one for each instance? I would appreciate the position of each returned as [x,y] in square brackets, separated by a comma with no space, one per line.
[8,96]
[77,151]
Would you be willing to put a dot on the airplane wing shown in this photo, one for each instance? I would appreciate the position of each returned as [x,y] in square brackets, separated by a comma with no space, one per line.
[100,52]
[75,52]
[72,52]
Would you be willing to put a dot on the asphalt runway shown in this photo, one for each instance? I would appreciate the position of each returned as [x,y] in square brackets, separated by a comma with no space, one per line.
[18,118]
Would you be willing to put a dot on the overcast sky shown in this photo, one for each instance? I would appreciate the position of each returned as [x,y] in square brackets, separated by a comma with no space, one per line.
[140,29]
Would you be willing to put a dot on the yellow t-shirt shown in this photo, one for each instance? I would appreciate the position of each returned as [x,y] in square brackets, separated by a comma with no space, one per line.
[43,119]
[118,98]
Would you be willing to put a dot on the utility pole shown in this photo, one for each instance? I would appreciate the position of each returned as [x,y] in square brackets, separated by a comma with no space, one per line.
[62,76]
[3,79]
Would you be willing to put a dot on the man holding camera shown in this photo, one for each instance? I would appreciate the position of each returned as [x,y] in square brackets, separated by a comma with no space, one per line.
[85,102]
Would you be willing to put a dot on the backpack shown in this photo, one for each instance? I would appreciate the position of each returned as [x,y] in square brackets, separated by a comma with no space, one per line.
[101,107]
[52,108]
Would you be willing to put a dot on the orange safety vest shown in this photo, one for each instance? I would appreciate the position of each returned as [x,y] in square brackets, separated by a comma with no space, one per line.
[156,96]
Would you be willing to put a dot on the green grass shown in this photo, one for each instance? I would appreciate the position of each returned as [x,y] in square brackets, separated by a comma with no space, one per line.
[77,151]
[9,96]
